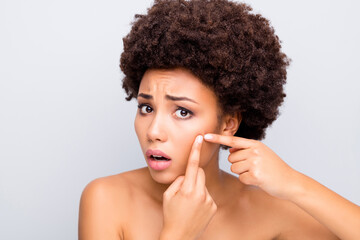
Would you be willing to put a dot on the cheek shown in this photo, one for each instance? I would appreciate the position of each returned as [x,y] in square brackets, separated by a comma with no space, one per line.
[139,128]
[186,137]
[184,141]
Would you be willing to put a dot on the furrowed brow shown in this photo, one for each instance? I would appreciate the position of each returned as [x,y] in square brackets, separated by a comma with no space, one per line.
[174,98]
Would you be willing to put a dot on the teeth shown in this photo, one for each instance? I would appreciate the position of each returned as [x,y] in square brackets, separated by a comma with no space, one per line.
[156,156]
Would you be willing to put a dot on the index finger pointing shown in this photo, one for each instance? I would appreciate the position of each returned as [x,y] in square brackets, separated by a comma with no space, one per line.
[231,141]
[193,163]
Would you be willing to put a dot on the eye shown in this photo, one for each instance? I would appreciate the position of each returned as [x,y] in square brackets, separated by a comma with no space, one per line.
[183,113]
[144,109]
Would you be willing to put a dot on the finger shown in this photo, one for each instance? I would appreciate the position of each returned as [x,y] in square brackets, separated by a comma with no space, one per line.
[240,155]
[240,167]
[193,163]
[174,187]
[200,181]
[231,150]
[231,141]
[247,178]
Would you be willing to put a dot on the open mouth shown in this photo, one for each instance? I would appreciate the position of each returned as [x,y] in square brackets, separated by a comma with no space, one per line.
[159,158]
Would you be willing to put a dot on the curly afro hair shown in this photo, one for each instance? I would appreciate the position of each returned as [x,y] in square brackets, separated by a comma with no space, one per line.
[230,49]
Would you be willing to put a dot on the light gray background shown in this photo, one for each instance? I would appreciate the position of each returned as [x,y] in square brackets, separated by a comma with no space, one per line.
[64,120]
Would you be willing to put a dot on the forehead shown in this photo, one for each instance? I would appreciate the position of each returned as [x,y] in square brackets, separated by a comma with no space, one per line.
[174,82]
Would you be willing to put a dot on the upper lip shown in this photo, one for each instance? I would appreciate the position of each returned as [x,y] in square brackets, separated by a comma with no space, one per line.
[156,152]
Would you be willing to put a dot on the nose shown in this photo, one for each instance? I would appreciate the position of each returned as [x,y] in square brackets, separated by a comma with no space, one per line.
[156,131]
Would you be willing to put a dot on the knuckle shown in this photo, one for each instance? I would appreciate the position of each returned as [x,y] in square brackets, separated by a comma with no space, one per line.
[255,162]
[186,192]
[209,201]
[193,162]
[201,195]
[255,174]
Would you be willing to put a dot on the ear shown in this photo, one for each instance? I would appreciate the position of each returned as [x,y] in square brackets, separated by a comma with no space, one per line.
[230,124]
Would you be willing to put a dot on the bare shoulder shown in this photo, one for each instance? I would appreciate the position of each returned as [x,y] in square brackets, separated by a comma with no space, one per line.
[104,206]
[290,220]
[114,187]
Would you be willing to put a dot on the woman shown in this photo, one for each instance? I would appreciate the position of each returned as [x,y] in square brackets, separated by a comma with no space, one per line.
[208,74]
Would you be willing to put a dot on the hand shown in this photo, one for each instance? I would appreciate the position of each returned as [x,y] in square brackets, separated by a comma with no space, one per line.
[258,165]
[187,204]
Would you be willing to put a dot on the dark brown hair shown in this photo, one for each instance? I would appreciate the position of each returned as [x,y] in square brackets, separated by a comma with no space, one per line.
[232,50]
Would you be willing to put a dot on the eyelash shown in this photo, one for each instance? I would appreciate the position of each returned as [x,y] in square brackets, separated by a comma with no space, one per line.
[190,113]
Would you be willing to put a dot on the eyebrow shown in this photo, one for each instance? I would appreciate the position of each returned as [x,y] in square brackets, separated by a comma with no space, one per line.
[169,97]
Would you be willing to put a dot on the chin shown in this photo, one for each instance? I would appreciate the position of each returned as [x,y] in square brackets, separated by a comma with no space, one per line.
[163,177]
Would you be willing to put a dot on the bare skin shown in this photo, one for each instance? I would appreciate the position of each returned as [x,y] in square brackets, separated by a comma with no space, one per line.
[244,212]
[193,198]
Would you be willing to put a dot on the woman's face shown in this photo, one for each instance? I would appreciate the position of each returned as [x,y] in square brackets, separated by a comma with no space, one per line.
[174,107]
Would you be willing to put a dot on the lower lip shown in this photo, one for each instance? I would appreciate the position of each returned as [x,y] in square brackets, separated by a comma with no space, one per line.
[159,165]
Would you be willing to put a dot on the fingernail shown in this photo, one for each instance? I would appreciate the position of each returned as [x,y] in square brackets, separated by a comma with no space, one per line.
[208,136]
[199,139]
